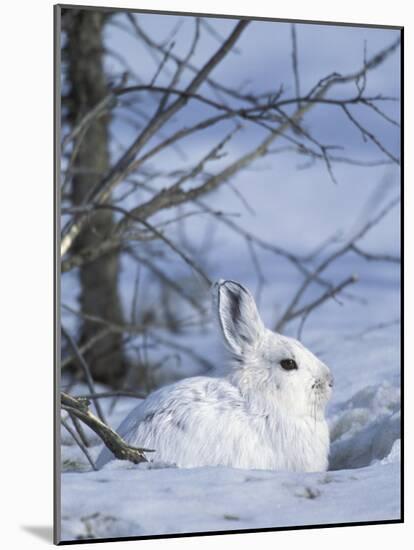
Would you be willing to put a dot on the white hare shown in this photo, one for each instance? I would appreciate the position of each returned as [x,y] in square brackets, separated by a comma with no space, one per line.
[267,413]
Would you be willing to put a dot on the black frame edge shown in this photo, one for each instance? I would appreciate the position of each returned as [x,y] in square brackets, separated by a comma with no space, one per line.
[402,281]
[231,16]
[56,276]
[232,532]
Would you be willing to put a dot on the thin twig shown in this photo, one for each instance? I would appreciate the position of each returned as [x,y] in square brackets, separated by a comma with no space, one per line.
[367,134]
[214,84]
[85,347]
[79,443]
[107,103]
[374,328]
[188,350]
[295,61]
[167,280]
[118,393]
[306,309]
[189,261]
[375,257]
[343,249]
[112,440]
[79,429]
[161,65]
[86,369]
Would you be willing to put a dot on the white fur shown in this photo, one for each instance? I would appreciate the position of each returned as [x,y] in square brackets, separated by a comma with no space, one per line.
[259,416]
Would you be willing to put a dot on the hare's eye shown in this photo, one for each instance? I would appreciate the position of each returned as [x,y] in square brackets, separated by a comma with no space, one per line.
[288,364]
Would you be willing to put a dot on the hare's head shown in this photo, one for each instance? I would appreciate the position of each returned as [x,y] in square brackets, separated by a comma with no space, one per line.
[270,369]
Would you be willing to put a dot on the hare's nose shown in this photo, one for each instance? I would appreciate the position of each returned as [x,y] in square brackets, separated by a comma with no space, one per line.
[330,380]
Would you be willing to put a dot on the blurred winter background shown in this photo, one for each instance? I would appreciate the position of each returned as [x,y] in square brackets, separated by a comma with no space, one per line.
[282,173]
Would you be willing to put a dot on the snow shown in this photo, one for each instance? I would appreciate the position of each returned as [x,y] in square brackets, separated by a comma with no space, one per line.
[363,483]
[219,499]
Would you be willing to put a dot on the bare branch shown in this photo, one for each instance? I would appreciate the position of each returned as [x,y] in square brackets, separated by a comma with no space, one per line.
[69,171]
[295,260]
[380,112]
[207,365]
[367,134]
[115,443]
[118,393]
[167,280]
[287,315]
[295,60]
[173,197]
[368,65]
[79,443]
[80,431]
[180,66]
[105,105]
[215,85]
[102,191]
[189,261]
[374,328]
[85,347]
[215,34]
[375,257]
[109,325]
[161,65]
[261,280]
[306,309]
[86,369]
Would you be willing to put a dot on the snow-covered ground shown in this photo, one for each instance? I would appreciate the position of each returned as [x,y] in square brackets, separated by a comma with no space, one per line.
[363,483]
[134,501]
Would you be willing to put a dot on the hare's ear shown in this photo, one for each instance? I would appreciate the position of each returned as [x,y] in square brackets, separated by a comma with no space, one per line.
[239,319]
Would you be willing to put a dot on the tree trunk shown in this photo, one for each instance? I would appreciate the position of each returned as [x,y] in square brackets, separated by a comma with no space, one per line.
[85,78]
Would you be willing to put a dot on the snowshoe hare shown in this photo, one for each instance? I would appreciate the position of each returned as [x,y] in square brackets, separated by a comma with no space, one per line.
[268,413]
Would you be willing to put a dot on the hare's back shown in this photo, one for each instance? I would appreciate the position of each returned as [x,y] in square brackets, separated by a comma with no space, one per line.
[179,420]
